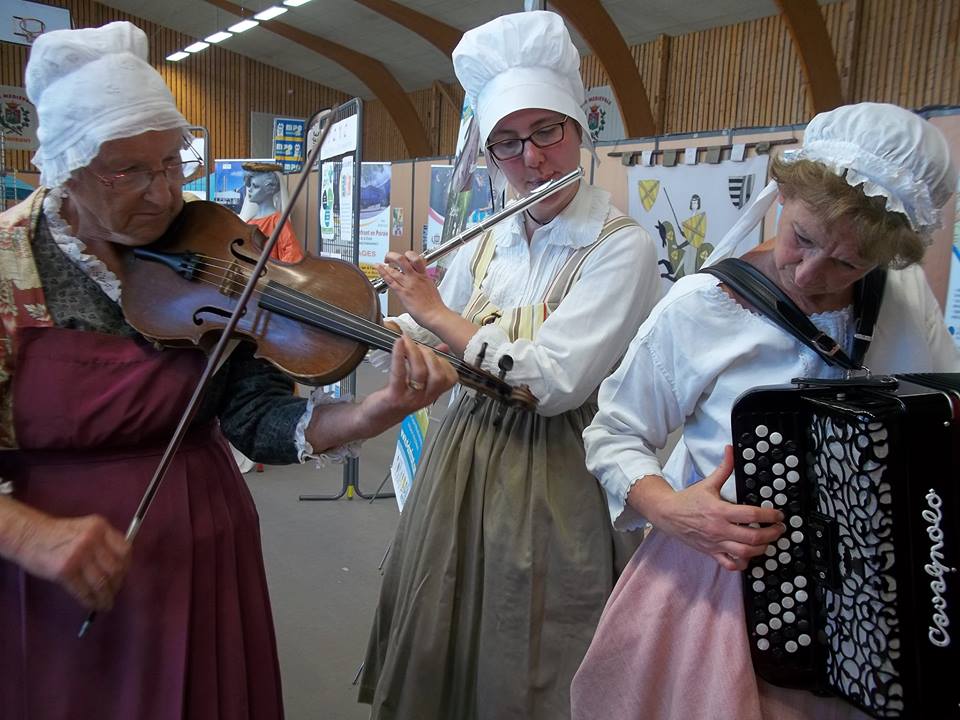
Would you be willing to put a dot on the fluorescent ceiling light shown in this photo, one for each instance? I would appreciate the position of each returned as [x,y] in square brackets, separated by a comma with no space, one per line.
[177,56]
[218,37]
[197,46]
[270,13]
[243,26]
[295,3]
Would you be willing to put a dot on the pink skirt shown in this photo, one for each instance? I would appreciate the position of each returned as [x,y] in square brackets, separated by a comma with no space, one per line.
[672,643]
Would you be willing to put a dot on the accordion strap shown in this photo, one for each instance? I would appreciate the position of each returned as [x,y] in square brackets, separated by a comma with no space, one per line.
[770,300]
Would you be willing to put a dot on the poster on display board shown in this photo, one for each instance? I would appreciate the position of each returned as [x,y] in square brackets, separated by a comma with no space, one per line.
[689,208]
[952,309]
[603,114]
[329,201]
[480,204]
[288,143]
[228,181]
[374,220]
[18,119]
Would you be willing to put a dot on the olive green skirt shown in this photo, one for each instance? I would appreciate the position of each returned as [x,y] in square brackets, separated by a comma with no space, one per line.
[500,568]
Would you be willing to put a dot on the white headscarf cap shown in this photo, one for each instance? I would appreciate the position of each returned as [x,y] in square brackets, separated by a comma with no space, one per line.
[91,86]
[889,151]
[516,62]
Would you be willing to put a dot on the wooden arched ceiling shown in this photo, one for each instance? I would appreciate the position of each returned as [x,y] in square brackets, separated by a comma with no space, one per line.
[370,71]
[442,36]
[812,41]
[592,21]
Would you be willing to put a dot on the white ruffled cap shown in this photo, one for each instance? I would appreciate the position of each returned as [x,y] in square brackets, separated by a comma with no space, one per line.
[890,151]
[521,61]
[91,86]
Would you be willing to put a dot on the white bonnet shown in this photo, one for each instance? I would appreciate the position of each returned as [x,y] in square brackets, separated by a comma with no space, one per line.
[91,86]
[520,61]
[889,151]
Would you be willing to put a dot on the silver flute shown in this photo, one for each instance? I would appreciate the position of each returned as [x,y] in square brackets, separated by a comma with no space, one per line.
[541,193]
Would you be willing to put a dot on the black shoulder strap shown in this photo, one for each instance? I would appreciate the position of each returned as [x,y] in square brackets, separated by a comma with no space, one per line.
[770,300]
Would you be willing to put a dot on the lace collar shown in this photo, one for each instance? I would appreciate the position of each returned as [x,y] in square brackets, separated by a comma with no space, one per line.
[74,248]
[577,225]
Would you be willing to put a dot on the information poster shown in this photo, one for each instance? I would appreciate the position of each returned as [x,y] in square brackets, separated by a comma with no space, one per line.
[406,458]
[689,208]
[374,220]
[288,143]
[18,119]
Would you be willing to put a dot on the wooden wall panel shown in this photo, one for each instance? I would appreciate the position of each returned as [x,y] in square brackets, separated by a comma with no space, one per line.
[216,88]
[743,75]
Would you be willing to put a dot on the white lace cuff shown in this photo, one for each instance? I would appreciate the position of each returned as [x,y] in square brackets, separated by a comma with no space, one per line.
[496,340]
[305,451]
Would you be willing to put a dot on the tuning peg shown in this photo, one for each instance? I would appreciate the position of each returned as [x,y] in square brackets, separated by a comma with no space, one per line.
[505,365]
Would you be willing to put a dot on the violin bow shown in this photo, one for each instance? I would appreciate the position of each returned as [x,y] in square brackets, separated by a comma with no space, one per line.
[218,352]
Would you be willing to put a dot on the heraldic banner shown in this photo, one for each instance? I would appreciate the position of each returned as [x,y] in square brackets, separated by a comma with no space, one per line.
[689,208]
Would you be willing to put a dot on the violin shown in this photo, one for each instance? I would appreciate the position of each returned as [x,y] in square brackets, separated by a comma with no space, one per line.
[314,320]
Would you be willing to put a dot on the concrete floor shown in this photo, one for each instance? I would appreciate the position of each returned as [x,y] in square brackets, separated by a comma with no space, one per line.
[322,563]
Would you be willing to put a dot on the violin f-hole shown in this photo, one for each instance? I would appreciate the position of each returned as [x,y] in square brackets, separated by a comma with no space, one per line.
[213,311]
[234,245]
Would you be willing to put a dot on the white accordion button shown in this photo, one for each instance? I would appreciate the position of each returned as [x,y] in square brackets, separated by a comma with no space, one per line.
[793,476]
[801,596]
[800,581]
[757,572]
[761,431]
[780,499]
[789,617]
[776,438]
[766,491]
[783,543]
[792,461]
[763,644]
[775,624]
[804,639]
[790,647]
[748,454]
[796,536]
[749,468]
[763,446]
[795,521]
[762,629]
[758,586]
[786,588]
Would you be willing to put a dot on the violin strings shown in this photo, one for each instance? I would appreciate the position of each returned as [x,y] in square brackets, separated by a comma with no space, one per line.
[364,330]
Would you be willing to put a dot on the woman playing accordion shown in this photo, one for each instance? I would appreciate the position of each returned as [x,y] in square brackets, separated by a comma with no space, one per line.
[862,193]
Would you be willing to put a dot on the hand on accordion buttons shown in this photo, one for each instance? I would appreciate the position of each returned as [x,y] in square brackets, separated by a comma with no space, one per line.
[702,519]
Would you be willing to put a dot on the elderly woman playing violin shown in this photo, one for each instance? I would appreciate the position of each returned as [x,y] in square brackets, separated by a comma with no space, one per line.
[87,406]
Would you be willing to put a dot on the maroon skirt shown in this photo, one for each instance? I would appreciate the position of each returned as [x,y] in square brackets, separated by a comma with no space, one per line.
[190,634]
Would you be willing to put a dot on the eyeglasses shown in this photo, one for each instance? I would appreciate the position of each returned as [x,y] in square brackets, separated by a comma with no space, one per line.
[139,181]
[542,137]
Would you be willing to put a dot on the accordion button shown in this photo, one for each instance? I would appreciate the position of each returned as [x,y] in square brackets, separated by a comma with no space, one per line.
[749,468]
[776,624]
[750,484]
[783,543]
[771,565]
[774,609]
[793,476]
[796,521]
[789,617]
[766,491]
[763,446]
[766,504]
[748,454]
[796,536]
[762,629]
[786,588]
[801,595]
[780,499]
[758,586]
[776,438]
[790,646]
[787,602]
[757,572]
[761,431]
[804,640]
[784,558]
[792,461]
[763,644]
[800,581]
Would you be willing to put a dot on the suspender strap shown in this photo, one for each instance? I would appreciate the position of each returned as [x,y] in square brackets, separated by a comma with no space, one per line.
[772,302]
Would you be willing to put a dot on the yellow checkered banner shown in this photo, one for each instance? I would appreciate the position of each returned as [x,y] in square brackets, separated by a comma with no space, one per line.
[689,208]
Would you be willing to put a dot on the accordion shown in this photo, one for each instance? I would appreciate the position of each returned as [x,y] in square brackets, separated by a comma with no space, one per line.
[855,599]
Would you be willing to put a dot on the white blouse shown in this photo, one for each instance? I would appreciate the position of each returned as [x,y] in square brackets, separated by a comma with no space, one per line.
[700,349]
[581,341]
